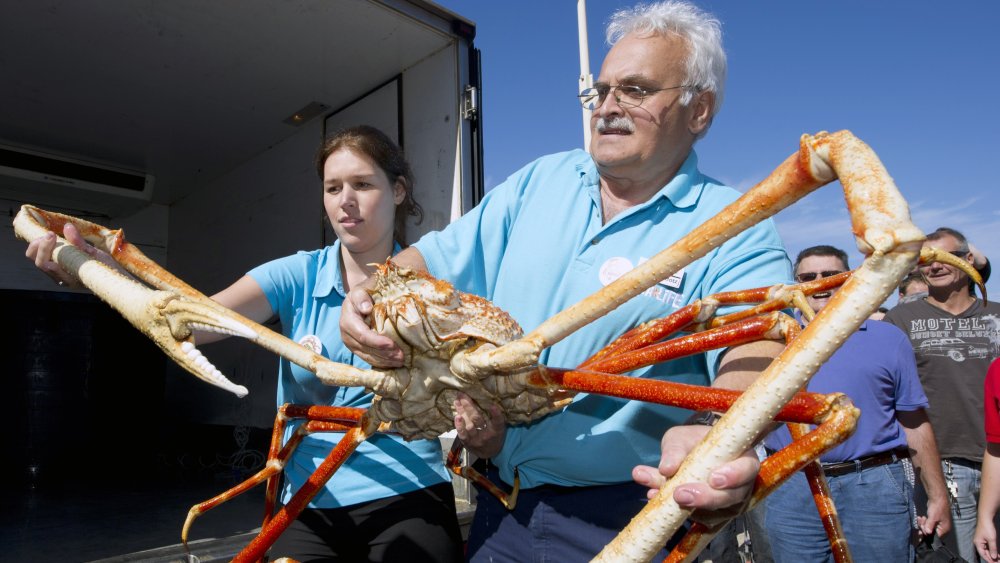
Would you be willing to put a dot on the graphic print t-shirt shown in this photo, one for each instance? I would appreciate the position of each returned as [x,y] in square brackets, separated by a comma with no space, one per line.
[953,353]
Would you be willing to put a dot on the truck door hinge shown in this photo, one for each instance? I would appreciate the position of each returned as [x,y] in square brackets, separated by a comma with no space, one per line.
[470,103]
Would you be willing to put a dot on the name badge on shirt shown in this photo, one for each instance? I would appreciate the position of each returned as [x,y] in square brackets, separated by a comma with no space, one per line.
[673,281]
[312,342]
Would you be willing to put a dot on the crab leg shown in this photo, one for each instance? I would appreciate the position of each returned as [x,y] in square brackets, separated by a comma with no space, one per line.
[824,502]
[880,218]
[318,419]
[256,549]
[878,214]
[885,234]
[169,315]
[454,464]
[699,315]
[834,414]
[839,420]
[774,326]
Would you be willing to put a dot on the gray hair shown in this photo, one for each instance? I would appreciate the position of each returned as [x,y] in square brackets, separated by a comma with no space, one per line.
[706,64]
[941,232]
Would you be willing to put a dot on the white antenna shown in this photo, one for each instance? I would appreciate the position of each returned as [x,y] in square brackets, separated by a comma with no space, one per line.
[586,79]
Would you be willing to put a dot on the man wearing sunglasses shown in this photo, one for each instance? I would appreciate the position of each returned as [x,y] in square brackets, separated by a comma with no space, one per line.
[955,337]
[567,225]
[866,474]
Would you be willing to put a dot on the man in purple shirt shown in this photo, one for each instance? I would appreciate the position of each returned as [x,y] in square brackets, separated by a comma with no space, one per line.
[868,474]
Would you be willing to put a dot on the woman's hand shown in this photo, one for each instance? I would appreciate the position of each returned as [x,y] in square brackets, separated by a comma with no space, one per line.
[40,252]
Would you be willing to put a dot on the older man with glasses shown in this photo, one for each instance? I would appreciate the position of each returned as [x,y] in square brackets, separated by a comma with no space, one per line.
[560,229]
[955,337]
[867,474]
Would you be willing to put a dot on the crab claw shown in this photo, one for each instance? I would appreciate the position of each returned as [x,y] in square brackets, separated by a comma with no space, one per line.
[170,313]
[171,323]
[164,316]
[930,254]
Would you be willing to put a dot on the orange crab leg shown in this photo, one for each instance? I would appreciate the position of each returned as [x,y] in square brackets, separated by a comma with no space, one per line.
[454,463]
[802,408]
[838,417]
[256,549]
[775,298]
[698,315]
[774,326]
[318,419]
[824,501]
[594,376]
[834,414]
[647,333]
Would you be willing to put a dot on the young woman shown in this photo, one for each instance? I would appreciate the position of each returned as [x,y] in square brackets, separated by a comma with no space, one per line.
[392,499]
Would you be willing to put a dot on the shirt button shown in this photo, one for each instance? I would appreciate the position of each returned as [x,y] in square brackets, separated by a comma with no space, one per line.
[595,241]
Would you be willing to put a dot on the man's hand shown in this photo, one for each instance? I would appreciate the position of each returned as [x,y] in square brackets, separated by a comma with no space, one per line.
[379,351]
[938,519]
[482,433]
[729,484]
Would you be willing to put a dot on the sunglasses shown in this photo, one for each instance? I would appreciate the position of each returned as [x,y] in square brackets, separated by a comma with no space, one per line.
[810,276]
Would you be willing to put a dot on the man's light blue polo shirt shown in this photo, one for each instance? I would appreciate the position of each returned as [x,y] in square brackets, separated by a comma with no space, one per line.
[306,291]
[536,245]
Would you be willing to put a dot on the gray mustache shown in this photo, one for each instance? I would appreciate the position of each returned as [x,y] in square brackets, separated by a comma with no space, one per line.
[617,122]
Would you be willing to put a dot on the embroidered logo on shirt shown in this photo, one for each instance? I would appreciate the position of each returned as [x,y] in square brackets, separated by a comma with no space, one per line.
[312,342]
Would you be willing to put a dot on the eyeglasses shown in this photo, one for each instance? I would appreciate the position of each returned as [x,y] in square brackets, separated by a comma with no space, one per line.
[810,276]
[627,95]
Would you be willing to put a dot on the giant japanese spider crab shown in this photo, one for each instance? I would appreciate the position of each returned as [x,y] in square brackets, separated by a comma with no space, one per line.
[458,342]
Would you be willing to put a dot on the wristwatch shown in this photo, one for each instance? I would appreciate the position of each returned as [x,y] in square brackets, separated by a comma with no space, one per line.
[703,418]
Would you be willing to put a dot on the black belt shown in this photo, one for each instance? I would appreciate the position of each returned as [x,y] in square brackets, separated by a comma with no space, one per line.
[970,463]
[858,465]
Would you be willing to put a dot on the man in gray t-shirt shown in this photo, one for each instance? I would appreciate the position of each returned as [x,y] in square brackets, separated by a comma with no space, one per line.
[955,337]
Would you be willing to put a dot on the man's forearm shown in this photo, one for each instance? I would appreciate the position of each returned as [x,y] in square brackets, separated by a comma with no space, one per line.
[741,365]
[920,437]
[410,258]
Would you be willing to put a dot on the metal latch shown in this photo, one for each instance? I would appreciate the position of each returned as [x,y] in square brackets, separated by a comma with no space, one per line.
[470,103]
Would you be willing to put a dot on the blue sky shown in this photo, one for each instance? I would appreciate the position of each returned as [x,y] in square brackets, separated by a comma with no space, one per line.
[916,80]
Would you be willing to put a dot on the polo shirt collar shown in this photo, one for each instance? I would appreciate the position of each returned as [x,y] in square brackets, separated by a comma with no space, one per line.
[329,278]
[686,186]
[682,191]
